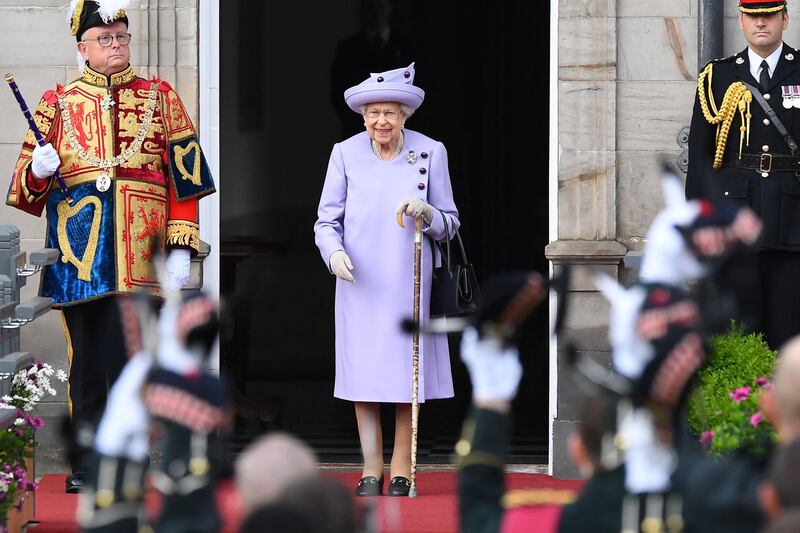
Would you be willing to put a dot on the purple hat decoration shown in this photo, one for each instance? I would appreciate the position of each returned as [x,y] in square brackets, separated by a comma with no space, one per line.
[391,86]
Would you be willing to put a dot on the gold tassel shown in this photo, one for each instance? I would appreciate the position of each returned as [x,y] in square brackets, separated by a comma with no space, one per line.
[737,96]
[742,128]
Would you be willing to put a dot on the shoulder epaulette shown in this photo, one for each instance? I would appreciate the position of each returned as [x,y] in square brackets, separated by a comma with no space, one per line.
[729,59]
[535,497]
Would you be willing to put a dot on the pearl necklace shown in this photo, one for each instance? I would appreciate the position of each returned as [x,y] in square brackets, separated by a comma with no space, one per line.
[377,151]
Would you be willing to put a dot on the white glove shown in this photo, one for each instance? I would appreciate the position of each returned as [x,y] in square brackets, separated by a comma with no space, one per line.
[45,161]
[494,371]
[342,266]
[172,354]
[124,428]
[415,207]
[178,262]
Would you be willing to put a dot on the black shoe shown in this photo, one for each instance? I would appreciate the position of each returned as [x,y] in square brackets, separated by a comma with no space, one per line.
[399,486]
[369,486]
[75,482]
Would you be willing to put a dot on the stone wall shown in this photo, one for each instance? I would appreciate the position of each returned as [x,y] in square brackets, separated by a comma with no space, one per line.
[35,46]
[626,83]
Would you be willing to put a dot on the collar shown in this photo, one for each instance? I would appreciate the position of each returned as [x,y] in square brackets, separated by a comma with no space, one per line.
[93,77]
[755,61]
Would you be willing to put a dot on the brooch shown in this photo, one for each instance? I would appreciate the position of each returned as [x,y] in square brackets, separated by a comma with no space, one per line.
[412,157]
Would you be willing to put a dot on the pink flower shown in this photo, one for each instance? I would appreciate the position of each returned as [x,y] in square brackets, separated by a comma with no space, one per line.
[35,421]
[762,381]
[740,395]
[706,438]
[755,419]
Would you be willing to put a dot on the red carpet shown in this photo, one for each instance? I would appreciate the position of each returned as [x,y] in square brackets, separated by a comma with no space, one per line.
[435,510]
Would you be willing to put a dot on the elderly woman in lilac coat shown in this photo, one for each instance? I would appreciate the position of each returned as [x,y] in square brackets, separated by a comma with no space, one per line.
[371,177]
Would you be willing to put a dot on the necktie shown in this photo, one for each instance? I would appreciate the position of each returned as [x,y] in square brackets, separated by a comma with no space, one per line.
[763,78]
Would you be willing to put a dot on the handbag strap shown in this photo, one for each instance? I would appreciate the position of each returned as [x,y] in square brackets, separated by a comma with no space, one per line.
[461,248]
[447,240]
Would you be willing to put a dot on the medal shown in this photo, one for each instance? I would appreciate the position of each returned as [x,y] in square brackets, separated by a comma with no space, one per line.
[787,97]
[107,102]
[103,183]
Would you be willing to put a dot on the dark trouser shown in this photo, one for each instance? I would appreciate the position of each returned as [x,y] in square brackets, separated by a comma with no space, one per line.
[97,354]
[780,296]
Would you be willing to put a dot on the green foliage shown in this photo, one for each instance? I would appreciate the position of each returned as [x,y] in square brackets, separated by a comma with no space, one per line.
[736,361]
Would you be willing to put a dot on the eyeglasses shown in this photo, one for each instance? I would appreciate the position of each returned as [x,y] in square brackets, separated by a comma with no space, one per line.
[389,114]
[106,40]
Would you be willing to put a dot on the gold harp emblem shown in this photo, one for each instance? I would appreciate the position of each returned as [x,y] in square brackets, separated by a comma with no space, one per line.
[180,153]
[66,212]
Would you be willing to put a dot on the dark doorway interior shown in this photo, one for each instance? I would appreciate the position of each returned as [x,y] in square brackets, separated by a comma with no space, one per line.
[484,67]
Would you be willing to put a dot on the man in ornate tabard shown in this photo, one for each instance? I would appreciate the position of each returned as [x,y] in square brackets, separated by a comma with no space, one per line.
[739,152]
[132,172]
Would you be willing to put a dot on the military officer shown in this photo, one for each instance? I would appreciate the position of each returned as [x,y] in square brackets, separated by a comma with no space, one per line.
[131,173]
[743,149]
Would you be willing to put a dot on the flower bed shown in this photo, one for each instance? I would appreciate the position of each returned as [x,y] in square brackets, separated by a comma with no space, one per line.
[723,409]
[17,441]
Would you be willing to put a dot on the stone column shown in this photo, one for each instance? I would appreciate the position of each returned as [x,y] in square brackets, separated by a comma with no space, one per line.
[587,92]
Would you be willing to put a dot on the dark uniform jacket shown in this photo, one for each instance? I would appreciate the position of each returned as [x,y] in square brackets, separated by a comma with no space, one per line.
[776,197]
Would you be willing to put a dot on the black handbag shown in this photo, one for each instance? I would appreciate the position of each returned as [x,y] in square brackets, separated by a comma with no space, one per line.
[454,289]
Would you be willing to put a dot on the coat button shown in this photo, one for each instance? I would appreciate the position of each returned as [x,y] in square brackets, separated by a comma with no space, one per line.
[765,174]
[423,171]
[424,155]
[766,96]
[766,122]
[765,148]
[380,79]
[421,186]
[406,74]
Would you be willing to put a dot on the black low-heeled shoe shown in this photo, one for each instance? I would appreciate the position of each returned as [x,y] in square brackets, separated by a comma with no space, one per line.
[75,482]
[369,486]
[399,486]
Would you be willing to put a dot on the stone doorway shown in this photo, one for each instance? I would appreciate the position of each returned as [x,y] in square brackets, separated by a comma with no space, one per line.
[485,69]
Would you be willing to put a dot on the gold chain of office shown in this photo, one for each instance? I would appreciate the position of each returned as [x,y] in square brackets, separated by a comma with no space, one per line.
[737,98]
[69,131]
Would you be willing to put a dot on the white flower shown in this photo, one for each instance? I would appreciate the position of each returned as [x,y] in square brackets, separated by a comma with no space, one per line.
[7,399]
[61,376]
[19,421]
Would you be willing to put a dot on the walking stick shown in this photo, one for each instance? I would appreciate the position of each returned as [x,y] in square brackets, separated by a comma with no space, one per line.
[412,493]
[35,129]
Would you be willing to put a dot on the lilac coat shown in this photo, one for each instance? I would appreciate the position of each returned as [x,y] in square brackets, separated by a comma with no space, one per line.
[357,214]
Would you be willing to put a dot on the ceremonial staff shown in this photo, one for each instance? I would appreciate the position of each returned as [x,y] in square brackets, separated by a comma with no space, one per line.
[35,129]
[412,493]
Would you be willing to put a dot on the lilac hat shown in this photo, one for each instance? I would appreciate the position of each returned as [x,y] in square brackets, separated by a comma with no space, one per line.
[390,86]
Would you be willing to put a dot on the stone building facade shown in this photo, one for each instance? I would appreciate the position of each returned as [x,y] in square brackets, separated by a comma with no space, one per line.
[626,81]
[622,83]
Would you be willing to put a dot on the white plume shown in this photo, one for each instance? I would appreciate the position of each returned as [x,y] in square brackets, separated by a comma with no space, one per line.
[71,10]
[108,9]
[630,352]
[80,61]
